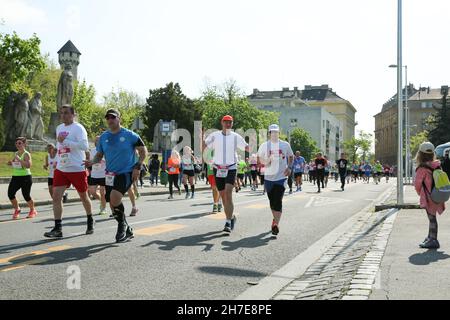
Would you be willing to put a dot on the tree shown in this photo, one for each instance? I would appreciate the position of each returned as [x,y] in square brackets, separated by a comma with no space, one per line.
[417,140]
[19,59]
[87,109]
[360,146]
[214,105]
[441,133]
[129,104]
[302,141]
[167,104]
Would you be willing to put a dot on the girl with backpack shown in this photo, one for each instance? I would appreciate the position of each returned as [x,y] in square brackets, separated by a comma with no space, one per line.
[426,164]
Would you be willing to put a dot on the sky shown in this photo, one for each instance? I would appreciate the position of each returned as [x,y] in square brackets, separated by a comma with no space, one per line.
[140,45]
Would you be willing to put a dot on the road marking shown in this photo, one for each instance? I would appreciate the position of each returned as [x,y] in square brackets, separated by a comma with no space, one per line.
[30,255]
[323,202]
[164,228]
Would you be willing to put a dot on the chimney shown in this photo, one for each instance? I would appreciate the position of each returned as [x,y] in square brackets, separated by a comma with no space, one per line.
[255,91]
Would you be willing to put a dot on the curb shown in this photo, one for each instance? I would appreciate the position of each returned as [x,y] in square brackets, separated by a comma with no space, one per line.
[75,200]
[408,206]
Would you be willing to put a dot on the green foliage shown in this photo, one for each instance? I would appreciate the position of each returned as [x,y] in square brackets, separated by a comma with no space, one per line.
[19,59]
[303,142]
[129,104]
[441,133]
[359,147]
[215,105]
[167,104]
[89,113]
[417,140]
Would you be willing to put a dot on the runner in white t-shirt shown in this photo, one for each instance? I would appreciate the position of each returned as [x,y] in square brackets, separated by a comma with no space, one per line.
[225,144]
[97,178]
[70,170]
[277,157]
[50,164]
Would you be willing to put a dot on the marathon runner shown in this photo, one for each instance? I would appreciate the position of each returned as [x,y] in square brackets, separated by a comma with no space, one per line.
[320,163]
[70,170]
[50,164]
[97,179]
[225,144]
[342,166]
[173,164]
[377,172]
[299,169]
[117,146]
[21,179]
[277,157]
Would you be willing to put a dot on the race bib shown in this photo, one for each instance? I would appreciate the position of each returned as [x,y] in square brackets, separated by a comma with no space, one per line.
[342,165]
[298,166]
[110,177]
[320,167]
[64,157]
[97,167]
[172,170]
[222,173]
[17,165]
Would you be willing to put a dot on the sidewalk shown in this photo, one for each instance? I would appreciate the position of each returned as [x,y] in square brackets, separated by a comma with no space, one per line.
[409,272]
[41,196]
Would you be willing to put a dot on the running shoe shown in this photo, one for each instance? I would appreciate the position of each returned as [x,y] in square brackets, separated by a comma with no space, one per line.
[103,212]
[275,229]
[227,228]
[130,234]
[430,244]
[179,192]
[138,195]
[291,192]
[188,195]
[170,197]
[134,212]
[16,214]
[65,197]
[90,227]
[121,234]
[220,207]
[54,234]
[32,214]
[233,222]
[193,195]
[215,208]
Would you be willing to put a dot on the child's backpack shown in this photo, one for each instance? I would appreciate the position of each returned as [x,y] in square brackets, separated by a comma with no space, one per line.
[440,191]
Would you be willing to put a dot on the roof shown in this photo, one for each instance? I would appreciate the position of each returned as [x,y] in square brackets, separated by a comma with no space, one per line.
[427,94]
[69,47]
[310,93]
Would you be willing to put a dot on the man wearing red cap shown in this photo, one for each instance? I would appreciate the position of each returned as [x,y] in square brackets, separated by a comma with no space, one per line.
[225,144]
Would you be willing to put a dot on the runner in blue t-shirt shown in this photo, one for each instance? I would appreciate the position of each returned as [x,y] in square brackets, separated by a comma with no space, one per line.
[367,172]
[299,169]
[118,146]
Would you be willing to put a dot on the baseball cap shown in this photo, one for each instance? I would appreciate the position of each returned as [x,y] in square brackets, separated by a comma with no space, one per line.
[227,118]
[112,112]
[426,147]
[274,128]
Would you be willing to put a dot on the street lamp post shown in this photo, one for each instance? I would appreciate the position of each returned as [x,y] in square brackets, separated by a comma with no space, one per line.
[400,200]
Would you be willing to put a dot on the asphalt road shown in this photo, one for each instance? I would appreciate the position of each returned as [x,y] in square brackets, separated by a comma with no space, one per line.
[179,252]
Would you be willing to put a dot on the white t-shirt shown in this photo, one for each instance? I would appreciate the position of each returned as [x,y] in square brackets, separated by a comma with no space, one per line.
[225,147]
[278,154]
[71,153]
[51,165]
[99,169]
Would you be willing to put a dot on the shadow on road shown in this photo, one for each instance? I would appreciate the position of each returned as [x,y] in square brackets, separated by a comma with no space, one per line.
[251,242]
[232,272]
[427,257]
[191,216]
[59,257]
[189,241]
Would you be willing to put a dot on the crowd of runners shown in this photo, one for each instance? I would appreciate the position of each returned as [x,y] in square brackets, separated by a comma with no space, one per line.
[116,164]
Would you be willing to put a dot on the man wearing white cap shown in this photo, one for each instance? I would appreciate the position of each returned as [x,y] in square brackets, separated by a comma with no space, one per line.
[278,158]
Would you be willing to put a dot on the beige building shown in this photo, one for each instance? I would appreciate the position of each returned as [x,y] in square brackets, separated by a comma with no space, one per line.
[421,104]
[313,96]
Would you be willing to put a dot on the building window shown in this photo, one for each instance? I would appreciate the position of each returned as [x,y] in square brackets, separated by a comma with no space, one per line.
[294,122]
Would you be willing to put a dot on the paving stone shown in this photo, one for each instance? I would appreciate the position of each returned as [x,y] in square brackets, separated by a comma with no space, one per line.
[361,287]
[357,292]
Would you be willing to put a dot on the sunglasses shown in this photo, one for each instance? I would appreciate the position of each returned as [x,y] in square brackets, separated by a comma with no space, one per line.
[110,117]
[19,143]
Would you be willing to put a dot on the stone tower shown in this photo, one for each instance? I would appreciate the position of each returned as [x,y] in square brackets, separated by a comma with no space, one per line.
[69,58]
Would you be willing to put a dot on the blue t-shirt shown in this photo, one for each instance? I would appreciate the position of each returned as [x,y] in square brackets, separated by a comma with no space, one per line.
[299,164]
[119,150]
[368,168]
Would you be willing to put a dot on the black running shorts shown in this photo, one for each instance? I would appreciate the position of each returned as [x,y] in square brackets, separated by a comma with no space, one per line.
[122,184]
[222,182]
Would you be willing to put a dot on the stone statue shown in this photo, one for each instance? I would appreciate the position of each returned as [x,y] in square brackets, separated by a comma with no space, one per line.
[37,125]
[21,116]
[65,89]
[8,114]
